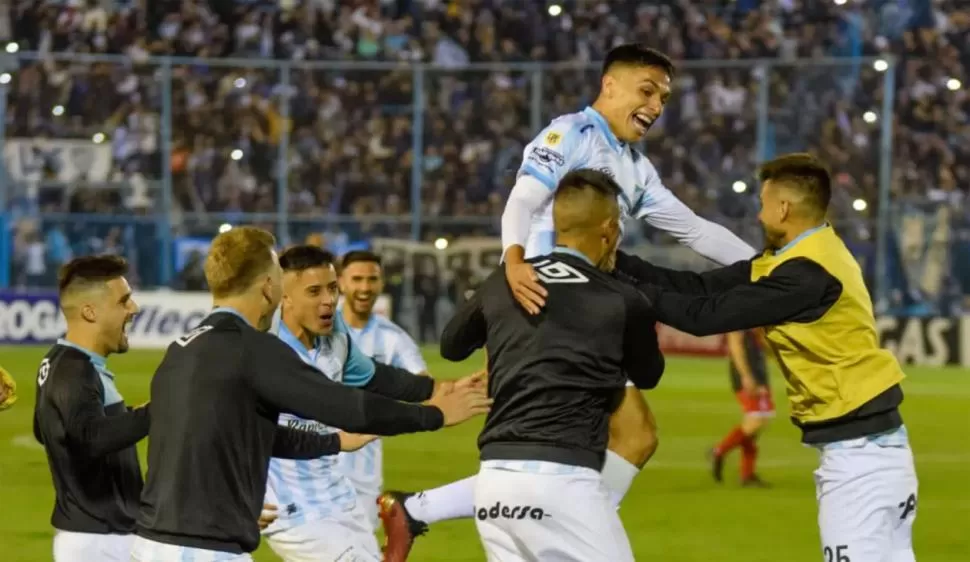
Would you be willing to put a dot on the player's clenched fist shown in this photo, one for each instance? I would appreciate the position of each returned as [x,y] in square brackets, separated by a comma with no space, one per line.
[461,404]
[525,286]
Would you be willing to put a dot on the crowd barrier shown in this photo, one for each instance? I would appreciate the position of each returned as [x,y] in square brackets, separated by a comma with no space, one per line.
[34,318]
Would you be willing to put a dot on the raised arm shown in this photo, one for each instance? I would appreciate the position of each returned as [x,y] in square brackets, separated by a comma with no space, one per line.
[466,331]
[89,430]
[797,290]
[281,379]
[662,210]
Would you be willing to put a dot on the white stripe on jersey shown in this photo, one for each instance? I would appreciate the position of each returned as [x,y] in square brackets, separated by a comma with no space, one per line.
[309,490]
[385,342]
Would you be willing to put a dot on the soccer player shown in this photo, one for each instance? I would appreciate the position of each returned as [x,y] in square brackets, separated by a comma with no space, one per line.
[321,517]
[361,282]
[634,88]
[749,379]
[556,378]
[87,430]
[844,390]
[216,401]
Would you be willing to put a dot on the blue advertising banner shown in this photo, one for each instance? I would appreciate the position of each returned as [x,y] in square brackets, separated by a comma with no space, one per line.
[31,317]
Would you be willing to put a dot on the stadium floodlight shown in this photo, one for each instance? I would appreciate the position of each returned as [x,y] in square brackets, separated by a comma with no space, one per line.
[739,186]
[555,10]
[860,205]
[239,83]
[236,154]
[224,227]
[57,111]
[839,2]
[5,78]
[98,138]
[952,84]
[12,48]
[870,117]
[880,65]
[441,243]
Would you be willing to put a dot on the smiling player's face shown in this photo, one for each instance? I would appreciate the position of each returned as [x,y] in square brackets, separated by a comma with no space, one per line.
[637,96]
[310,298]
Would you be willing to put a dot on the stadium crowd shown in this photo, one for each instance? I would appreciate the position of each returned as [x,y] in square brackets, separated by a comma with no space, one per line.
[350,144]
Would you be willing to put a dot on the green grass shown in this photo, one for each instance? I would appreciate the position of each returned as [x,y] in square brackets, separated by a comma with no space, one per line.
[673,513]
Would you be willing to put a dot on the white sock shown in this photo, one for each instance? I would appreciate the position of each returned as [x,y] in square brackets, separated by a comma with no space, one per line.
[618,475]
[451,501]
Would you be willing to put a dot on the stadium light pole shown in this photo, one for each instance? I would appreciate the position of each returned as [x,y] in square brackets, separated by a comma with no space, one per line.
[164,211]
[764,109]
[885,184]
[536,99]
[5,242]
[283,149]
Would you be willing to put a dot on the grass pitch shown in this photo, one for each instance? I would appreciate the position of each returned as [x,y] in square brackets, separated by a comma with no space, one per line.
[674,513]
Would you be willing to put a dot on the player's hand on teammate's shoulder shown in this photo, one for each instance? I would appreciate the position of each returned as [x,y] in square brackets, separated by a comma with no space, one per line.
[460,403]
[354,441]
[524,282]
[267,516]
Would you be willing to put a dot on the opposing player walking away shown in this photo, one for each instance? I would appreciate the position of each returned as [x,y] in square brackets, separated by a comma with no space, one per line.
[216,401]
[87,430]
[361,282]
[556,378]
[634,88]
[843,388]
[749,379]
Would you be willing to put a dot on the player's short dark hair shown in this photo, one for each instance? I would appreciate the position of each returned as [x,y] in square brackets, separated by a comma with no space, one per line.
[90,270]
[360,256]
[635,54]
[305,256]
[587,178]
[805,173]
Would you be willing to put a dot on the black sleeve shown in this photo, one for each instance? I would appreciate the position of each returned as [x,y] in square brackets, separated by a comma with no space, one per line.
[289,443]
[466,331]
[283,381]
[643,362]
[686,282]
[399,384]
[795,288]
[77,398]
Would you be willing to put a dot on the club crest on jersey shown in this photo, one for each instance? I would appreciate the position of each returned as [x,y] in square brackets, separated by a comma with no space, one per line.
[553,138]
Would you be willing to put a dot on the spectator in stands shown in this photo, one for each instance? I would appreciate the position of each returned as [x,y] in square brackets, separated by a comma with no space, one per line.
[350,132]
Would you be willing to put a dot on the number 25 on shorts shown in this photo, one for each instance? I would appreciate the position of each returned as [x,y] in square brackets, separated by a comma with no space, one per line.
[838,554]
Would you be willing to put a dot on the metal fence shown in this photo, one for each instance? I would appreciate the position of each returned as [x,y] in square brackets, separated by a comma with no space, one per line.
[151,157]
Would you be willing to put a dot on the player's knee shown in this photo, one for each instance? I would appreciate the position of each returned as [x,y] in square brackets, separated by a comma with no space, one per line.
[752,425]
[633,430]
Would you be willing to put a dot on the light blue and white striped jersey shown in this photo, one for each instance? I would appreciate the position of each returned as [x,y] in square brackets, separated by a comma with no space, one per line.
[584,140]
[310,490]
[385,342]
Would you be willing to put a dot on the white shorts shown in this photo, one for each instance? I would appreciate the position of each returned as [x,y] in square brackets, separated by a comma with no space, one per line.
[82,547]
[866,502]
[344,537]
[547,511]
[144,550]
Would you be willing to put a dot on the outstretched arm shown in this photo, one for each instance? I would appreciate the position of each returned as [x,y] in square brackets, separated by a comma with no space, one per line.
[687,282]
[662,210]
[797,290]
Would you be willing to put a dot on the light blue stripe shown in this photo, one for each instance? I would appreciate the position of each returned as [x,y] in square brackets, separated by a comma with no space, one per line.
[545,179]
[545,242]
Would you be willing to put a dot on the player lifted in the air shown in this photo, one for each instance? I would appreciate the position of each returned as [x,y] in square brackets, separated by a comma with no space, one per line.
[635,86]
